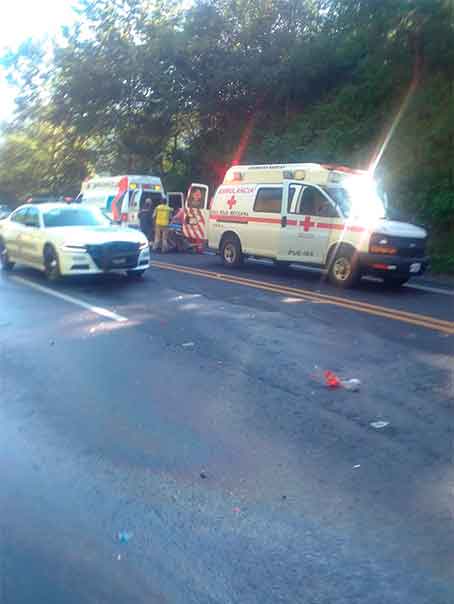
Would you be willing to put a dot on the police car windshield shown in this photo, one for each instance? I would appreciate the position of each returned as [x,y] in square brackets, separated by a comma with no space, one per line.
[358,198]
[74,216]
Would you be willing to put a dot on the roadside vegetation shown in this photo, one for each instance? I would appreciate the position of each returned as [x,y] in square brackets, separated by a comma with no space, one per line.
[137,86]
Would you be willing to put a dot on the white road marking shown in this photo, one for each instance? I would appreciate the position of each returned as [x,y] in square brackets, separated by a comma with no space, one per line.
[429,288]
[98,310]
[411,285]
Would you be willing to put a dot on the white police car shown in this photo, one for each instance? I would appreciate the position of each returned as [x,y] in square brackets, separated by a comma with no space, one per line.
[62,239]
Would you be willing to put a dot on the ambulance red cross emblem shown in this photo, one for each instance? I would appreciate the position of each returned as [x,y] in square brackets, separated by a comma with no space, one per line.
[231,202]
[307,223]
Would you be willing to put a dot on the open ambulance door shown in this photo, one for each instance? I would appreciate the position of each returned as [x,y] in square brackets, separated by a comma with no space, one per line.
[196,212]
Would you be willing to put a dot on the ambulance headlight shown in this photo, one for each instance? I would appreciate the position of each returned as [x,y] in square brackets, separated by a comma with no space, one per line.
[381,244]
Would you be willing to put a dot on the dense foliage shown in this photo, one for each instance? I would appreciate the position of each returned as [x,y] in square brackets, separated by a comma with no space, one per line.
[141,85]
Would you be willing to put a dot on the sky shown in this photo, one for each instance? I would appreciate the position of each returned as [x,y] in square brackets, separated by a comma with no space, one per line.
[22,19]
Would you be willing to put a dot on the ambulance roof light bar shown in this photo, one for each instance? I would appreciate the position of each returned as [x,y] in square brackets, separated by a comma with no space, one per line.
[235,176]
[344,169]
[294,174]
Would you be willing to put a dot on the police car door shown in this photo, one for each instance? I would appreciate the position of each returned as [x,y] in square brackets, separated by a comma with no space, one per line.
[307,216]
[196,213]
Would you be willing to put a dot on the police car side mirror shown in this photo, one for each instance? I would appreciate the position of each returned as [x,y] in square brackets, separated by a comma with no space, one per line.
[284,221]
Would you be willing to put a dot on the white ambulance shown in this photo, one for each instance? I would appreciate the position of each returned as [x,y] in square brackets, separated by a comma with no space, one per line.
[121,197]
[319,215]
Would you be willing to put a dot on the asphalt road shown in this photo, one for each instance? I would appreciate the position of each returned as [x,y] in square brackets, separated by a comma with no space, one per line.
[172,440]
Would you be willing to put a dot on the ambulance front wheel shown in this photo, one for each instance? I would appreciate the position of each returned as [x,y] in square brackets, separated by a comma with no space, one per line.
[343,268]
[231,251]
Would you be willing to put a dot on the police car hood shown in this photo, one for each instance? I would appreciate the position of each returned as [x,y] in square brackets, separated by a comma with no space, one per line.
[81,235]
[399,229]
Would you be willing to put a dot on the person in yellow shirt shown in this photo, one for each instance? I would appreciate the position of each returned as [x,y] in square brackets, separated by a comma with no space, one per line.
[161,216]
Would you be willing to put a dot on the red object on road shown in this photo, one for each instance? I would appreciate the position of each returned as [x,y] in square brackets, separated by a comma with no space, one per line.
[331,380]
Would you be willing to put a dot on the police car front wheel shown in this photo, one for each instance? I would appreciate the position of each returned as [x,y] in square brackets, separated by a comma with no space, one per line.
[51,263]
[343,269]
[5,262]
[231,252]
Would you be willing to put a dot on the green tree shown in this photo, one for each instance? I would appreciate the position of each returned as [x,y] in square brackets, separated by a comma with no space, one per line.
[42,158]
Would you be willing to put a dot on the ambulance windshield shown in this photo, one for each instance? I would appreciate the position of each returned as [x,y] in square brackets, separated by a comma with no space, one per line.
[358,198]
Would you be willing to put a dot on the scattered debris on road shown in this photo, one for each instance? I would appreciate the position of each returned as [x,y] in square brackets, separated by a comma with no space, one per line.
[358,465]
[331,380]
[188,344]
[352,384]
[203,475]
[379,425]
[236,510]
[124,537]
[52,342]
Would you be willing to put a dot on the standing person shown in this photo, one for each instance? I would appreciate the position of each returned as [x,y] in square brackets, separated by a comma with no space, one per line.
[161,217]
[146,219]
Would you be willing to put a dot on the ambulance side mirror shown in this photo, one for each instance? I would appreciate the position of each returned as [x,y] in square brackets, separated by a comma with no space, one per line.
[284,221]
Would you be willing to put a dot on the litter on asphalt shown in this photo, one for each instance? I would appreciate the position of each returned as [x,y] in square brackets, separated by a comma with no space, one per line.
[331,380]
[379,425]
[353,384]
[124,537]
[188,344]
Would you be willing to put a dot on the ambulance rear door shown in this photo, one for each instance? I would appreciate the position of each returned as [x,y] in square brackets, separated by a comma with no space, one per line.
[196,213]
[135,196]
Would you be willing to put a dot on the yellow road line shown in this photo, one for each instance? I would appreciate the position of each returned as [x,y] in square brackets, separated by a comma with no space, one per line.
[329,298]
[381,311]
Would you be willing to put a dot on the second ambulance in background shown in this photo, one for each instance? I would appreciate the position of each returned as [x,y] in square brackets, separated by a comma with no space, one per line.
[122,197]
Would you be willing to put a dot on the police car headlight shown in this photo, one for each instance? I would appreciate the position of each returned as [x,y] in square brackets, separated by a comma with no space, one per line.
[74,247]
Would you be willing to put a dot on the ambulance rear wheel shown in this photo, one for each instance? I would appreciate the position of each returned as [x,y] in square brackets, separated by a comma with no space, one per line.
[231,252]
[343,270]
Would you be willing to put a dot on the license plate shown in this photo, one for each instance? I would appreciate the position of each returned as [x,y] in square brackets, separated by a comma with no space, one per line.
[415,267]
[193,221]
[118,261]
